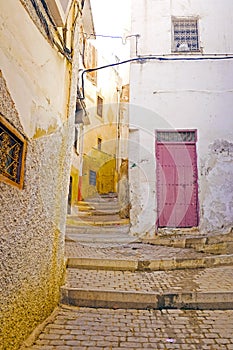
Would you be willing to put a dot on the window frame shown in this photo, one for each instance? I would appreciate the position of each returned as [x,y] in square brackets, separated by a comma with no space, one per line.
[23,143]
[99,106]
[187,136]
[92,177]
[173,43]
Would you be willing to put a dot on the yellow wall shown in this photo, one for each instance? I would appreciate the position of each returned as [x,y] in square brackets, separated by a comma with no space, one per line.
[104,166]
[106,177]
[75,181]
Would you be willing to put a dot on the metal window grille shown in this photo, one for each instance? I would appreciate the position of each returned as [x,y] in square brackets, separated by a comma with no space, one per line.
[176,136]
[11,154]
[92,177]
[185,35]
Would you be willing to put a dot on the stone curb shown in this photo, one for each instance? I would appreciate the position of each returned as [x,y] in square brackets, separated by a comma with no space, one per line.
[149,265]
[27,344]
[75,223]
[141,300]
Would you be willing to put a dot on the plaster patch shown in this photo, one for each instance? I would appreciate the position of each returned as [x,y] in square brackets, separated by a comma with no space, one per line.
[217,183]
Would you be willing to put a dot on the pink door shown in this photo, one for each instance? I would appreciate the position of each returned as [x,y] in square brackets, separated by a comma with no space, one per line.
[177,180]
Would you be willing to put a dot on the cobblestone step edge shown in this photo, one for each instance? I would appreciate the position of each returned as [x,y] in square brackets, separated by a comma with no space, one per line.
[191,240]
[75,223]
[141,300]
[148,265]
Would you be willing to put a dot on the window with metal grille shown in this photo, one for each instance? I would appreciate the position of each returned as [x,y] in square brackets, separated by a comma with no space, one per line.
[92,177]
[185,35]
[176,136]
[12,153]
[99,106]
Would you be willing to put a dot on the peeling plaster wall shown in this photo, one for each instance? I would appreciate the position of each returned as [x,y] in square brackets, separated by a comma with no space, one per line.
[217,183]
[182,95]
[34,71]
[35,99]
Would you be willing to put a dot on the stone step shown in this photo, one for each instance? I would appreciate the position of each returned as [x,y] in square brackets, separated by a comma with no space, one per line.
[98,220]
[94,212]
[85,208]
[102,198]
[218,243]
[148,265]
[209,288]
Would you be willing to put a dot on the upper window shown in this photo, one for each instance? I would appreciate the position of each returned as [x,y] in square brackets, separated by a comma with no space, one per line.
[59,10]
[12,153]
[185,35]
[99,106]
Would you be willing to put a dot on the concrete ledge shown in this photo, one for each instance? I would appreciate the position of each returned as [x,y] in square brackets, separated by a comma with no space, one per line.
[198,301]
[102,264]
[149,265]
[109,299]
[142,300]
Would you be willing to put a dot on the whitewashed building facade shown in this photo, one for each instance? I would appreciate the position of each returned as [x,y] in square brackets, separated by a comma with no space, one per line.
[181,80]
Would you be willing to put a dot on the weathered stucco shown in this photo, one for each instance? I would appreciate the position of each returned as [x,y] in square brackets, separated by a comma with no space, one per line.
[38,95]
[217,188]
[32,235]
[123,190]
[191,93]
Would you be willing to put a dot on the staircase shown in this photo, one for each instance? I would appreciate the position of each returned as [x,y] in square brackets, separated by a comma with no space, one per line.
[107,268]
[98,219]
[142,276]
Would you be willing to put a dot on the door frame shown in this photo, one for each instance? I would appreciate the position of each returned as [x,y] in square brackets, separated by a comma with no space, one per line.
[193,140]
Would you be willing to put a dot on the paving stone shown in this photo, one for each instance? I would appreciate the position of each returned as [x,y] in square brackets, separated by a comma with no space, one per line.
[189,334]
[109,328]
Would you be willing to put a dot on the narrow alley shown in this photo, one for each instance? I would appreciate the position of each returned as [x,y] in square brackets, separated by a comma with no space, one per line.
[116,174]
[123,293]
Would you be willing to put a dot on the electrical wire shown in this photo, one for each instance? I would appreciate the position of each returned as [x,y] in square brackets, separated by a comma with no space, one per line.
[123,38]
[88,35]
[143,59]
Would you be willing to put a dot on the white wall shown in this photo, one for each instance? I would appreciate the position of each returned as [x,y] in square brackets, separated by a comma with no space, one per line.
[183,95]
[151,19]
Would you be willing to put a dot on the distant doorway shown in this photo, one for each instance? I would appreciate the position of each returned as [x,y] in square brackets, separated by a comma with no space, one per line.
[70,196]
[176,178]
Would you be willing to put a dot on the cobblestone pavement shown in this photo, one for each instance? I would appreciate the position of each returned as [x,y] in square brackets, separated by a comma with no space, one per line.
[97,329]
[218,279]
[132,251]
[74,328]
